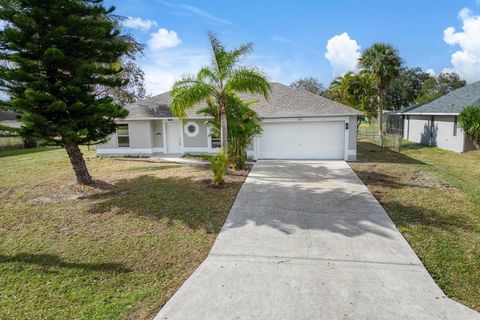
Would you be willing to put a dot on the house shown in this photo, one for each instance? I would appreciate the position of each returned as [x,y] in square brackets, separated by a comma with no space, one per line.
[436,123]
[9,119]
[296,124]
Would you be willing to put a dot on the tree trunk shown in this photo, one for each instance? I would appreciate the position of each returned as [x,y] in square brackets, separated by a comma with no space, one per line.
[78,164]
[223,124]
[224,131]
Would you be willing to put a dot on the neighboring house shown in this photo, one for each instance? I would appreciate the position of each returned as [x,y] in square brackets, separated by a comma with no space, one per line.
[296,124]
[9,119]
[436,123]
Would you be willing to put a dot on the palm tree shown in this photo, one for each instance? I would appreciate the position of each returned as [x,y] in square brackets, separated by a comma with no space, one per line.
[243,125]
[355,90]
[223,77]
[384,62]
[340,89]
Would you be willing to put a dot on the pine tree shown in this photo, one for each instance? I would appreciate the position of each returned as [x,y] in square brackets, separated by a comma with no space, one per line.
[55,55]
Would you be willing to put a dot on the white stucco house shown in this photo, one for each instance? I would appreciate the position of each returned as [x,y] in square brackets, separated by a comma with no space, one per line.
[436,123]
[296,124]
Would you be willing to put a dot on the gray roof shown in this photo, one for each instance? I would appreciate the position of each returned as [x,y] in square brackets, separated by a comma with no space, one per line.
[283,102]
[453,102]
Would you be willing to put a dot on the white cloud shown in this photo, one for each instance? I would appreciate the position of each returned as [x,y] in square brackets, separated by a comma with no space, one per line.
[466,61]
[163,68]
[163,39]
[431,72]
[139,23]
[343,54]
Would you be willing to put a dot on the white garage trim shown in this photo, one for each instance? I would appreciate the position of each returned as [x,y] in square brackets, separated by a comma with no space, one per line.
[343,120]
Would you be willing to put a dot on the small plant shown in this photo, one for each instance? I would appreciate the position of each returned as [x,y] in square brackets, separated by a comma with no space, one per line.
[219,164]
[469,121]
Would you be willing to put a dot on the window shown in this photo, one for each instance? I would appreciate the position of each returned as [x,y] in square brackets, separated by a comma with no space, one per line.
[122,135]
[191,129]
[455,126]
[216,142]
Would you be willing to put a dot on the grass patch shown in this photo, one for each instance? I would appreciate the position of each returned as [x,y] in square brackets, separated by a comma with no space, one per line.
[433,196]
[198,156]
[116,250]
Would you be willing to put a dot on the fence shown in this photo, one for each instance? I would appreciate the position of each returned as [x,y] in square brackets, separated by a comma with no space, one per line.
[391,139]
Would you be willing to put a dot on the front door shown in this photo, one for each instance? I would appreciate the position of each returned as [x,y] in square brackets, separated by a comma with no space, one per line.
[174,140]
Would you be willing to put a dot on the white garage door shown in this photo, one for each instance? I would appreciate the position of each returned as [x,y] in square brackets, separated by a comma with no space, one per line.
[302,140]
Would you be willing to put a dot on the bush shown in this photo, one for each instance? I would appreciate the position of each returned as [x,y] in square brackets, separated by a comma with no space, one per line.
[243,125]
[469,121]
[219,164]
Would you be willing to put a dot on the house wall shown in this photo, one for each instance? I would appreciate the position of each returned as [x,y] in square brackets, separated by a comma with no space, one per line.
[440,134]
[352,138]
[147,137]
[443,134]
[157,133]
[141,140]
[200,140]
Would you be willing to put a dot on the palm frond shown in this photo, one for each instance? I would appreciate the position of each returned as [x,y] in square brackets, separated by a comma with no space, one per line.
[237,55]
[188,92]
[218,50]
[206,74]
[249,80]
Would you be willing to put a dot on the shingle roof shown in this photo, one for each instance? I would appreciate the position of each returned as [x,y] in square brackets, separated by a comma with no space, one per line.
[284,101]
[453,102]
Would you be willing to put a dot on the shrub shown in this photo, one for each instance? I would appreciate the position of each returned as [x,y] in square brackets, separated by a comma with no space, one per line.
[218,164]
[469,121]
[243,125]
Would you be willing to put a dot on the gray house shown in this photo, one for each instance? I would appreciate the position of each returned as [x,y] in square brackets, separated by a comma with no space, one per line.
[435,123]
[9,119]
[296,124]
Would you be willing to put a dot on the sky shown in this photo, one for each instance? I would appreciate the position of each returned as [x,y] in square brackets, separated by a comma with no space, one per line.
[295,39]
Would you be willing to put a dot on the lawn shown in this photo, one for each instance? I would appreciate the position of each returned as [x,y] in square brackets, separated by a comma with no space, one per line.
[433,196]
[118,250]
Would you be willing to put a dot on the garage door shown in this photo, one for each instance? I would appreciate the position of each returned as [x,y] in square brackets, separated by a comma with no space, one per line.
[302,140]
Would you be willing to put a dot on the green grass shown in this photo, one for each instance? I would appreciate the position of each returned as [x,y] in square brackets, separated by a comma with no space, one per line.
[117,250]
[433,196]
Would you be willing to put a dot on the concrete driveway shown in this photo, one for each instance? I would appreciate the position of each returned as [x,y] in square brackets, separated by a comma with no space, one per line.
[307,240]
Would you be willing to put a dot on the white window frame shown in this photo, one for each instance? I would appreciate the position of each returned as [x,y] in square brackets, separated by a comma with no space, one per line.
[191,134]
[123,135]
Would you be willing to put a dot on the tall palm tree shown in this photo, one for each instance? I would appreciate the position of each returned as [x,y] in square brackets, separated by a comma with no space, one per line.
[224,76]
[384,62]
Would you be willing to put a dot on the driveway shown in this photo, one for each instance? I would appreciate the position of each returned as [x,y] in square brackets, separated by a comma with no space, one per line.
[307,240]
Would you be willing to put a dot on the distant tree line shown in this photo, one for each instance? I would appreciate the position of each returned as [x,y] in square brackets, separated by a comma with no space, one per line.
[406,87]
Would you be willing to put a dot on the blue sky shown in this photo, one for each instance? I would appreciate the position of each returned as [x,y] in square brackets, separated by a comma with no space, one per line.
[294,39]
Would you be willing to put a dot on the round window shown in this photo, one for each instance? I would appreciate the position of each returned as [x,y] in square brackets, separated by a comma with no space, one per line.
[191,129]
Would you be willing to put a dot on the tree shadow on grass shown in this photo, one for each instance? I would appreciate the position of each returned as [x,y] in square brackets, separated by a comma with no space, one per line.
[191,201]
[291,203]
[49,260]
[418,215]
